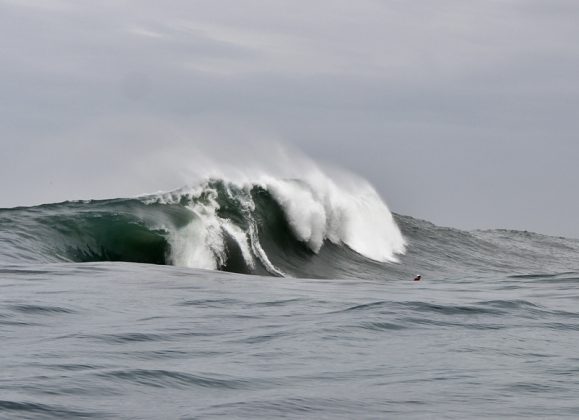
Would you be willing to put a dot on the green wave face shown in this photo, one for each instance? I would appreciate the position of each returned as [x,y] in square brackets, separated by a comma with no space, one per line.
[110,230]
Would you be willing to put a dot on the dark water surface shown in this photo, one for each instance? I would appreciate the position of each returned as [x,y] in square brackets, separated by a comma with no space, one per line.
[122,340]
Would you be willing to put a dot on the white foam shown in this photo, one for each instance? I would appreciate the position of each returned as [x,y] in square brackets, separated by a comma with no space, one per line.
[319,205]
[199,244]
[241,238]
[305,213]
[202,243]
[261,254]
[319,209]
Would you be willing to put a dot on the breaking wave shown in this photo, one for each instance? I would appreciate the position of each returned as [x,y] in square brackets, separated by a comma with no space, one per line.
[312,227]
[271,226]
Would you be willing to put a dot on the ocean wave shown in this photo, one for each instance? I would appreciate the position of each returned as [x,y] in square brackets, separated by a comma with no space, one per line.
[311,227]
[271,226]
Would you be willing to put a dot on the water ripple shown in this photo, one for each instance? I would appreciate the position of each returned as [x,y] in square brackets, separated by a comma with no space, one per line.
[30,410]
[166,378]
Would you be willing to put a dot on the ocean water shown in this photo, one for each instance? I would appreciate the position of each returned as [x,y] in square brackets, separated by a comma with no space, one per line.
[280,299]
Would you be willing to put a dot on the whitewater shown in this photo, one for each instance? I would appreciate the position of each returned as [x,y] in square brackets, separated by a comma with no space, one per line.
[268,296]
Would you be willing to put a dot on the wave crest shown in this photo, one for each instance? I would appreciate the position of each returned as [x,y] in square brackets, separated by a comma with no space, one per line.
[246,215]
[268,226]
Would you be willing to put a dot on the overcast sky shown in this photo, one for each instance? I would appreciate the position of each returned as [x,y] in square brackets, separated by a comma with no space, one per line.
[464,113]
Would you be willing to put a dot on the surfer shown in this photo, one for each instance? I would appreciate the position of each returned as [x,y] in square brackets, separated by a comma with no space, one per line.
[418,277]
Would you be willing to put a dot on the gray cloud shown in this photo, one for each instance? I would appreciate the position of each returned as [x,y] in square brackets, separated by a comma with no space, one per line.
[464,113]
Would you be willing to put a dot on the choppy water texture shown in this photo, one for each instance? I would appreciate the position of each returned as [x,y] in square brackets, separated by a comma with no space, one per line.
[119,340]
[95,322]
